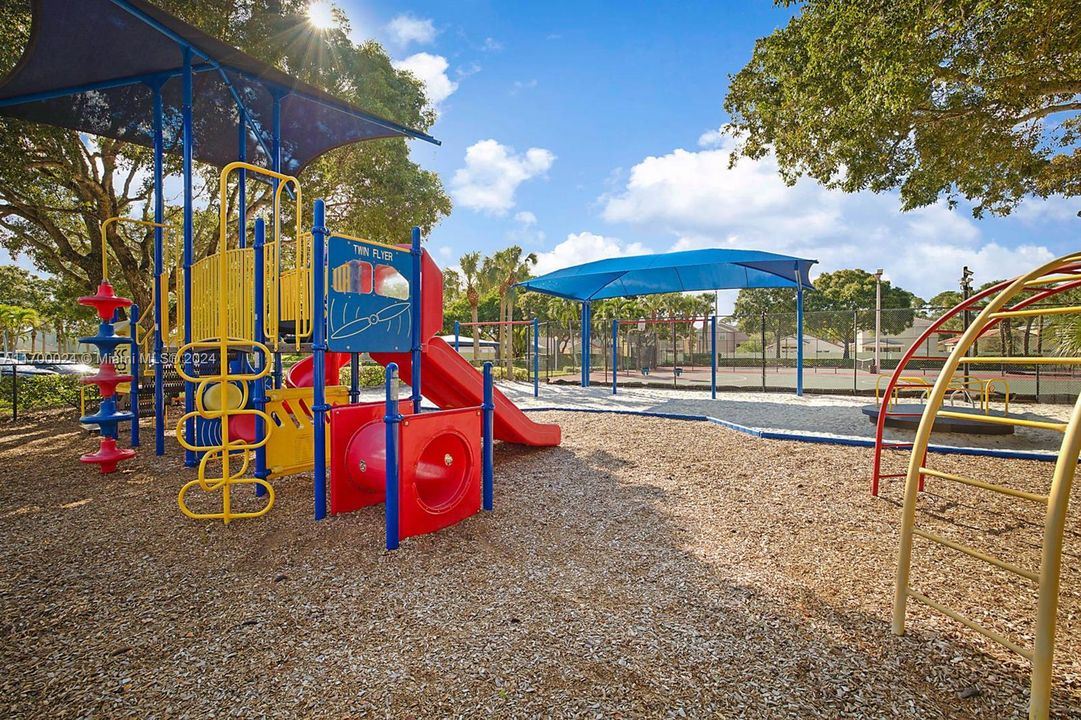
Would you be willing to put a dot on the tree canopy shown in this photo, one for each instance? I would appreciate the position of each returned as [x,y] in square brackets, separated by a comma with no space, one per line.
[957,99]
[57,187]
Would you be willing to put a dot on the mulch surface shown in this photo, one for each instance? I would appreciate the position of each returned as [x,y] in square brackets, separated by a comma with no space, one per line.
[647,567]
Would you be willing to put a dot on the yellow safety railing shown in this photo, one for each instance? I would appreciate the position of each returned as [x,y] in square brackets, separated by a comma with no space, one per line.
[287,293]
[921,388]
[1055,502]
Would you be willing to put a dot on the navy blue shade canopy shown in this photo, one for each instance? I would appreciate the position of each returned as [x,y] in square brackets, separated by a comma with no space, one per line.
[88,64]
[691,270]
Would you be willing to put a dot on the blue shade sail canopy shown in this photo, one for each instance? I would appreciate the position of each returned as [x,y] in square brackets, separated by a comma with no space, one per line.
[89,66]
[691,270]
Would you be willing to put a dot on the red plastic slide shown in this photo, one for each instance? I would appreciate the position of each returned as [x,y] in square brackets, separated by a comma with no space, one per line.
[450,381]
[301,374]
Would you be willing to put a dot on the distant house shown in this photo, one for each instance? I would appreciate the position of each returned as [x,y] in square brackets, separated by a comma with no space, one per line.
[488,348]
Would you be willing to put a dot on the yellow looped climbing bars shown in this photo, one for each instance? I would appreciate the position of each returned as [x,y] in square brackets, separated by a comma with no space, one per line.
[224,282]
[1047,578]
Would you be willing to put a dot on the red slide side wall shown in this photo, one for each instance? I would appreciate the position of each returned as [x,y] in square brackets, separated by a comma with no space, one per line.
[450,381]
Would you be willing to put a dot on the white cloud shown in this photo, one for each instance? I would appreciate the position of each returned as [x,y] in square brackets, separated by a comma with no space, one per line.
[492,174]
[1053,209]
[525,217]
[520,85]
[432,71]
[491,45]
[585,247]
[694,197]
[711,138]
[406,29]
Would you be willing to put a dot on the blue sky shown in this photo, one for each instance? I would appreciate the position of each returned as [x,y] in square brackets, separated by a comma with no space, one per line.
[588,129]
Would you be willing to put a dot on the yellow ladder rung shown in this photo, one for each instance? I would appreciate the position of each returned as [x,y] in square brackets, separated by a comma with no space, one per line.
[1034,312]
[996,420]
[973,482]
[1022,360]
[971,624]
[974,553]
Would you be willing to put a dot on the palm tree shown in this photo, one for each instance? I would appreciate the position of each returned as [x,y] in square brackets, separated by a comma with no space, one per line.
[506,268]
[7,322]
[37,322]
[470,265]
[26,319]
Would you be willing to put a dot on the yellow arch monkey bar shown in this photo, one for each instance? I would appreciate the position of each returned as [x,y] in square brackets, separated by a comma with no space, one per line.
[1056,501]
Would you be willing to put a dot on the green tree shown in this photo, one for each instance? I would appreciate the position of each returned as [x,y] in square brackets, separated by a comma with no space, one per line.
[845,294]
[16,321]
[57,187]
[470,264]
[960,98]
[21,287]
[775,307]
[504,269]
[452,285]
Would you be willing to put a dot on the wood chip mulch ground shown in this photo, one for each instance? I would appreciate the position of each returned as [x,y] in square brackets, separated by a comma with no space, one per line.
[647,567]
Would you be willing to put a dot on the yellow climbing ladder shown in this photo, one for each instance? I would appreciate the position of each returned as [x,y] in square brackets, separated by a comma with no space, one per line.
[1055,502]
[223,284]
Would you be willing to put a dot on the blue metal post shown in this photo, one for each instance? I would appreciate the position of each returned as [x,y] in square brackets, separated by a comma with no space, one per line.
[133,324]
[159,268]
[392,420]
[276,166]
[354,377]
[799,339]
[586,342]
[319,347]
[713,356]
[189,367]
[615,354]
[242,182]
[536,357]
[259,386]
[457,334]
[486,459]
[417,301]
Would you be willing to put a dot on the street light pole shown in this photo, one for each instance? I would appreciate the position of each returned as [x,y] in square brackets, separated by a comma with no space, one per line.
[878,318]
[966,293]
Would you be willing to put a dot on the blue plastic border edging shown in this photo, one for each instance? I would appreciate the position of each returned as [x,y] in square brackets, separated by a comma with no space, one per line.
[800,437]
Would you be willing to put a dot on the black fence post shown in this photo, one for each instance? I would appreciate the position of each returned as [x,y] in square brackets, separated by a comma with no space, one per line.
[855,355]
[15,391]
[763,329]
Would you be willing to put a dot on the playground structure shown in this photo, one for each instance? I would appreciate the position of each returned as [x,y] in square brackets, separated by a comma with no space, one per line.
[972,385]
[1012,299]
[384,300]
[246,428]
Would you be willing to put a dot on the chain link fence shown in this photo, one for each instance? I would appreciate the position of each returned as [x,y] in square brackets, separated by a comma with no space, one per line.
[760,353]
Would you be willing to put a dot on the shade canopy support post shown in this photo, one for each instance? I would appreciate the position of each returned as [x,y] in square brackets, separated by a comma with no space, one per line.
[586,341]
[159,268]
[276,165]
[187,143]
[799,338]
[713,357]
[615,354]
[242,180]
[536,357]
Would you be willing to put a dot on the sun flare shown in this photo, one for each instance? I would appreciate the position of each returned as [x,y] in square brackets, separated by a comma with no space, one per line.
[321,15]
